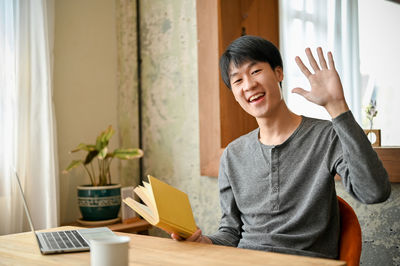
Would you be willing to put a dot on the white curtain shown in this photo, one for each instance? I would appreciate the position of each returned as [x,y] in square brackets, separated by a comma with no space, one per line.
[27,124]
[331,24]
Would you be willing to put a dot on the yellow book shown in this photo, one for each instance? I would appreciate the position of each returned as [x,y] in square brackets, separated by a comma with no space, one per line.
[164,206]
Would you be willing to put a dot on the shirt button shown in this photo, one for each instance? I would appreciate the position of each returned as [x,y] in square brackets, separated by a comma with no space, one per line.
[275,189]
[273,169]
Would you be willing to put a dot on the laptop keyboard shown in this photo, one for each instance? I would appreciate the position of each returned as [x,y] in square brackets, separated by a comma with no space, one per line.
[64,239]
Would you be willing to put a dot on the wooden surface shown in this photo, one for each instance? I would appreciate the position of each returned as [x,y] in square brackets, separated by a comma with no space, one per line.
[208,73]
[21,249]
[238,17]
[136,225]
[390,157]
[219,23]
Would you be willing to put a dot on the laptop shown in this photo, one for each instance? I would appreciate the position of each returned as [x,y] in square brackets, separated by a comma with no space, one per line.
[67,240]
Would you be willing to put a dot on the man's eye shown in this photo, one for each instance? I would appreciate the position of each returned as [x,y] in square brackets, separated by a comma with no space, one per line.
[255,71]
[237,81]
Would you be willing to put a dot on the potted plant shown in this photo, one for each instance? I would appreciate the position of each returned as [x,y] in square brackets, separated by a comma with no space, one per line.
[101,199]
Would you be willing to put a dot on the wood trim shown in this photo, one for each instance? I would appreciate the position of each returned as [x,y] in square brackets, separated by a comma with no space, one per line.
[218,23]
[234,16]
[208,73]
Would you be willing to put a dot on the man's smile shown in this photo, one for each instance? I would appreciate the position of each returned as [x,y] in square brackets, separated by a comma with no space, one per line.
[256,97]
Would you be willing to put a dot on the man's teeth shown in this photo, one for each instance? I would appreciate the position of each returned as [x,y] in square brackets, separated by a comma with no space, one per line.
[255,97]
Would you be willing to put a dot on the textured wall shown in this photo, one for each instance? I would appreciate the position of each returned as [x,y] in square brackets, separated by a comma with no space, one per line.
[128,96]
[170,104]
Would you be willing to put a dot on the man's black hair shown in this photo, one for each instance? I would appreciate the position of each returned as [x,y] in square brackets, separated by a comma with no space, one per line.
[248,48]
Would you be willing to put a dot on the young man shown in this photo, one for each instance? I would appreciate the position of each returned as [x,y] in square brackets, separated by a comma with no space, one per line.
[277,189]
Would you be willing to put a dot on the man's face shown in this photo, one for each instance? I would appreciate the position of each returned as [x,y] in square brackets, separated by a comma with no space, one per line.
[256,87]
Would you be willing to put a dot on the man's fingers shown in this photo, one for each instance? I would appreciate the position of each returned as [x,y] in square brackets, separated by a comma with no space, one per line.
[311,59]
[301,92]
[302,67]
[195,236]
[330,60]
[321,57]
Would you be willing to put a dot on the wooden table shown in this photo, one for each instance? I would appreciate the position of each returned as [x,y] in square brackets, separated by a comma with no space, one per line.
[22,249]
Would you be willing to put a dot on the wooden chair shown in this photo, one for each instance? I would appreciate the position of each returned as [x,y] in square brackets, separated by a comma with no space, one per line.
[350,242]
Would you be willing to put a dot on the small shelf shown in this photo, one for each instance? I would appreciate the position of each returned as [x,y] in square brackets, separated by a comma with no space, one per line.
[390,157]
[136,225]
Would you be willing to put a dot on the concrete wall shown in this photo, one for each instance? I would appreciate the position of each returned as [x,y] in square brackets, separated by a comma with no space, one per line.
[170,104]
[128,87]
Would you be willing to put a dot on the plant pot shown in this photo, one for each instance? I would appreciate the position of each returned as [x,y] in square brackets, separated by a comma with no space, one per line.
[99,203]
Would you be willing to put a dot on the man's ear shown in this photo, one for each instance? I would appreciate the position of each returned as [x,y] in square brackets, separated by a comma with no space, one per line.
[278,73]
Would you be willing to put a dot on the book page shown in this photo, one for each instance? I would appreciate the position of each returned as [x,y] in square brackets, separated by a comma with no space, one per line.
[146,209]
[149,192]
[143,194]
[141,209]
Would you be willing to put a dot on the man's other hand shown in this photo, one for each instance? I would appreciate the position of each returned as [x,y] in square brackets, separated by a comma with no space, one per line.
[326,87]
[196,237]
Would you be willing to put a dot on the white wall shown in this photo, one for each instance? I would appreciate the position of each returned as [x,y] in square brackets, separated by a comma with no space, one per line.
[85,93]
[380,58]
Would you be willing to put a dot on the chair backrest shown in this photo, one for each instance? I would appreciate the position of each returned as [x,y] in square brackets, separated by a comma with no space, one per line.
[350,235]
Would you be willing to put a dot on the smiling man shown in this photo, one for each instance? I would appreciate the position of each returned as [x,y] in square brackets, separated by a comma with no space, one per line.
[276,183]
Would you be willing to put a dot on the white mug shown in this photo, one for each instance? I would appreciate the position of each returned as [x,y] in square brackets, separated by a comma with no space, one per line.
[110,251]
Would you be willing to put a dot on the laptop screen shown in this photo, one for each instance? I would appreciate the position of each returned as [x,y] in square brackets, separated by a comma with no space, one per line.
[24,201]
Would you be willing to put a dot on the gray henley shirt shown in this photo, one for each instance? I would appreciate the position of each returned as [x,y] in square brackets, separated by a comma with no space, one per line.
[282,198]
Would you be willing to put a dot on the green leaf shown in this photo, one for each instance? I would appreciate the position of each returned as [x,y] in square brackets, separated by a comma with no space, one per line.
[90,156]
[108,134]
[128,154]
[103,153]
[84,147]
[104,137]
[72,165]
[99,144]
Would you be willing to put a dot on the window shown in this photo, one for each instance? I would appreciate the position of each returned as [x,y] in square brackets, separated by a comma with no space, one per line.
[331,24]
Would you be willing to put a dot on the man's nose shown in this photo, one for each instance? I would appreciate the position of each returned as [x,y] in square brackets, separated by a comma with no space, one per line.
[249,84]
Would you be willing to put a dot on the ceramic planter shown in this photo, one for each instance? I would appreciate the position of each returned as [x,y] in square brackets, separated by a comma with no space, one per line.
[99,203]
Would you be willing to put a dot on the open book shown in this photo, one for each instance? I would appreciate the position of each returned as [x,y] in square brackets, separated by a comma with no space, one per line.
[166,207]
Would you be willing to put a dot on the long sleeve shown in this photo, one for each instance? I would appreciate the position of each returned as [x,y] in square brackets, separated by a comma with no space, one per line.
[354,159]
[228,233]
